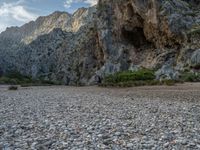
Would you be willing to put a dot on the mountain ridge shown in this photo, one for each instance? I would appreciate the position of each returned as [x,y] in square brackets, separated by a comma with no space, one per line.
[45,24]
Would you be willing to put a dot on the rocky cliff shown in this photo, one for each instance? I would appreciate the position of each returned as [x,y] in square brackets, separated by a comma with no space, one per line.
[113,36]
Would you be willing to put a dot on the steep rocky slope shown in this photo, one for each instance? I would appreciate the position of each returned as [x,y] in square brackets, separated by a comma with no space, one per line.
[113,36]
[52,47]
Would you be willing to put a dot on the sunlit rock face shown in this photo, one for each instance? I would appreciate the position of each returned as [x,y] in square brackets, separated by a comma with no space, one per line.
[113,36]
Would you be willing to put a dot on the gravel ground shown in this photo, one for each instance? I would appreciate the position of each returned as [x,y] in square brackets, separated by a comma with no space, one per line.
[93,118]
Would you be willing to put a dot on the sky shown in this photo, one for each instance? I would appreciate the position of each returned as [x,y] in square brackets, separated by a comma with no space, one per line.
[19,12]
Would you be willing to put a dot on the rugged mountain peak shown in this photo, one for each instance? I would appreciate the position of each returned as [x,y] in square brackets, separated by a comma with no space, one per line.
[42,25]
[46,24]
[79,12]
[82,17]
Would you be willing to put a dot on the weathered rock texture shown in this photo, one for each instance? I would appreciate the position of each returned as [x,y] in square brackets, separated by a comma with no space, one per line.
[113,36]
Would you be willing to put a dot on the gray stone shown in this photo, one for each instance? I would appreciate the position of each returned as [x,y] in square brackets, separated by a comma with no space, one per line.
[130,145]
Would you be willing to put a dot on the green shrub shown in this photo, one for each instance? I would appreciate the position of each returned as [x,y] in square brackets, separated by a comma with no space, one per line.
[168,82]
[6,80]
[128,76]
[17,75]
[190,77]
[14,78]
[141,77]
[13,87]
[40,83]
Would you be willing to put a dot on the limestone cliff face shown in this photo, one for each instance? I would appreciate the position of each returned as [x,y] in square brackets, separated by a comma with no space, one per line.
[155,34]
[113,36]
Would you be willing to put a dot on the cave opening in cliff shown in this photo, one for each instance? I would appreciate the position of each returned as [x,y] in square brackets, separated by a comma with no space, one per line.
[135,37]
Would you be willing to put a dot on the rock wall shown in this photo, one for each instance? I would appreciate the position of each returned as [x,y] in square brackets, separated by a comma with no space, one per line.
[113,36]
[150,34]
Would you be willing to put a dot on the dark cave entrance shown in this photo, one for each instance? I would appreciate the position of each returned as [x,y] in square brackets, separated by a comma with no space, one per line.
[135,37]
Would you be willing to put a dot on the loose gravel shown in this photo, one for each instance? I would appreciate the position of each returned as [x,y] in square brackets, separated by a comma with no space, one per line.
[94,118]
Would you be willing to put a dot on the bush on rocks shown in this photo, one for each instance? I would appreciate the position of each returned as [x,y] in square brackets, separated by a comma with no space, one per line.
[142,77]
[190,77]
[130,76]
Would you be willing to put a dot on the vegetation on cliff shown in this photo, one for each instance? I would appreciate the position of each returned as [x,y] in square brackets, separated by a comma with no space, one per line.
[134,78]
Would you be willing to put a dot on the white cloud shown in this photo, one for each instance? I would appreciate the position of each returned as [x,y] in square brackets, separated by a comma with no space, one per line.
[14,12]
[91,2]
[67,3]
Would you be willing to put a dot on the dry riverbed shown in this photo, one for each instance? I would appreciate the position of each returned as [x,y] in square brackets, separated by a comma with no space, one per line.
[88,118]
